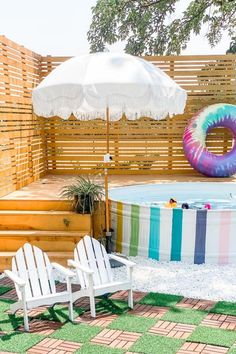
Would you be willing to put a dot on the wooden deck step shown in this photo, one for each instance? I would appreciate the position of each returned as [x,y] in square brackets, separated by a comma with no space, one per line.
[40,233]
[44,220]
[16,204]
[58,241]
[36,212]
[59,257]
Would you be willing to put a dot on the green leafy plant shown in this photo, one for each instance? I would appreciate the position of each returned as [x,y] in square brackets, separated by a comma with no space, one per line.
[151,27]
[83,194]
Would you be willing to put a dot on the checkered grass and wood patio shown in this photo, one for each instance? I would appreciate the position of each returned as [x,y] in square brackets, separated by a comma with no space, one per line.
[158,324]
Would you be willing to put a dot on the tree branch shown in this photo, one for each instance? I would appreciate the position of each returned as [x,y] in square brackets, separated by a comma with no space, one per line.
[152,3]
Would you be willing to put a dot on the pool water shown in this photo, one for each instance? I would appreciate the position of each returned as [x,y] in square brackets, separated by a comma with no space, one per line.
[196,194]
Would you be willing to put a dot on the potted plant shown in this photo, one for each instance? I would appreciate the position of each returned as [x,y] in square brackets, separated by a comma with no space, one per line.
[83,194]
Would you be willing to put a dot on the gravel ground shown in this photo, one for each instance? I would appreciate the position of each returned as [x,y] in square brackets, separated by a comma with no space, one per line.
[190,280]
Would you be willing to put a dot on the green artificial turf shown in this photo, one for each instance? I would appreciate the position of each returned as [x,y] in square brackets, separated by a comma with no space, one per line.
[117,307]
[154,344]
[5,305]
[8,322]
[4,289]
[19,342]
[98,349]
[232,351]
[214,336]
[224,307]
[159,299]
[132,323]
[182,315]
[60,313]
[76,332]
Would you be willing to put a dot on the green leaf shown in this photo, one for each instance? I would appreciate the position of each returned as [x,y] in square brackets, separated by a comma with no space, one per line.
[146,27]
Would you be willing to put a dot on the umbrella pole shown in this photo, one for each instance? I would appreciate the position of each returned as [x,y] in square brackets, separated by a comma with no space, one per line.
[108,232]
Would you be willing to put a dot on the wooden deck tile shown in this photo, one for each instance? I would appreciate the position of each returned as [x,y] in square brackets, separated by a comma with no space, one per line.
[10,295]
[172,329]
[200,348]
[196,304]
[42,327]
[149,311]
[54,346]
[220,321]
[116,338]
[31,313]
[5,281]
[123,295]
[102,319]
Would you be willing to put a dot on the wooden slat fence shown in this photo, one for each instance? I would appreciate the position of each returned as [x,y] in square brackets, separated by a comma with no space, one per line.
[22,150]
[145,146]
[31,146]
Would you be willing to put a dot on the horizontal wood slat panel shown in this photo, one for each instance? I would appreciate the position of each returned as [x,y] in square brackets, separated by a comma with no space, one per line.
[30,146]
[22,146]
[144,146]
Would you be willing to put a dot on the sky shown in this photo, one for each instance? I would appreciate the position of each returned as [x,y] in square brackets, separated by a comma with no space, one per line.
[59,27]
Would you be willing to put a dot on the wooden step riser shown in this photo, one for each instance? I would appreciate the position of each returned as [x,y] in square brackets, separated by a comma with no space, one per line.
[5,263]
[51,222]
[52,244]
[35,205]
[59,257]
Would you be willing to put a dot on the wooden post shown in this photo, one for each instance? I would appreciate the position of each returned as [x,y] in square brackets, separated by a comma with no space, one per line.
[106,173]
[170,128]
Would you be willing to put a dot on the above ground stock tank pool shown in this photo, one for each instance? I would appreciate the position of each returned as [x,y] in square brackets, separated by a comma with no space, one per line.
[144,226]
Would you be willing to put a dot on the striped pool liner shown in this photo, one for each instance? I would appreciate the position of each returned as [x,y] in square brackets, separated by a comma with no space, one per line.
[224,235]
[154,233]
[193,236]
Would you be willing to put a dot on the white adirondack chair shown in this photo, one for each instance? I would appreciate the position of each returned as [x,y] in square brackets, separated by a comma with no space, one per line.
[32,274]
[93,270]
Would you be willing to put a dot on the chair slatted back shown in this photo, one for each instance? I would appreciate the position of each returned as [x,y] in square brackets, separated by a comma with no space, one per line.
[32,264]
[92,254]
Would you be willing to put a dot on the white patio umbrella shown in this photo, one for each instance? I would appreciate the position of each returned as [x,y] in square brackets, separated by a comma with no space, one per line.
[105,85]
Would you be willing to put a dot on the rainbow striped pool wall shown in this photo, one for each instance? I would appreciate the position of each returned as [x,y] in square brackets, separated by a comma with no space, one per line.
[193,236]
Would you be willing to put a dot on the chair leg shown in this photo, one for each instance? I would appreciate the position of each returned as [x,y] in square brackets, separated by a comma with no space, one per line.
[92,305]
[91,295]
[70,305]
[130,299]
[26,320]
[25,310]
[71,313]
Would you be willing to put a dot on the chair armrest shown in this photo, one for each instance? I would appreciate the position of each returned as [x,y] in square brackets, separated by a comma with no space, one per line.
[63,270]
[72,263]
[122,260]
[20,282]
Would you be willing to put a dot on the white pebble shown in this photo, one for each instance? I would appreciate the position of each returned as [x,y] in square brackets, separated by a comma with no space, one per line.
[210,282]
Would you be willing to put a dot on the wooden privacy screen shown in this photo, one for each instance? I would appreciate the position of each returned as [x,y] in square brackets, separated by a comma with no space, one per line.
[31,146]
[22,153]
[145,146]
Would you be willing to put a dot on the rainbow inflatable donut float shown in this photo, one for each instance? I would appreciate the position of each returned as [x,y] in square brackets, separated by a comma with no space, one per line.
[209,164]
